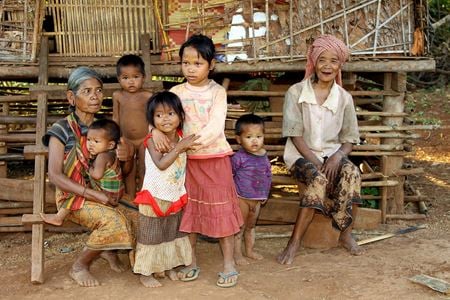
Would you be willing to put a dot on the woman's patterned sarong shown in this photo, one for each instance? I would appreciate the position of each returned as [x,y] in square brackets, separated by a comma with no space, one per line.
[333,199]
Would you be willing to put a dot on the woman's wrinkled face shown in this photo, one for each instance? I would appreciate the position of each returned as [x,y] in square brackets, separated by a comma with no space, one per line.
[327,66]
[88,98]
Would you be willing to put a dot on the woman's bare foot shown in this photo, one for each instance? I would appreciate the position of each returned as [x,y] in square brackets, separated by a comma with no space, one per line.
[52,219]
[240,260]
[254,255]
[349,243]
[287,256]
[113,260]
[149,281]
[84,278]
[172,274]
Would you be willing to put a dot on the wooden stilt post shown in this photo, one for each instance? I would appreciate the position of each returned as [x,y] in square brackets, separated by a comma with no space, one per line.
[3,147]
[394,104]
[145,48]
[37,243]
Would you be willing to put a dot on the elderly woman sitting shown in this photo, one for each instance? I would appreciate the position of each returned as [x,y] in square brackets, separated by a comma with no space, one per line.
[67,169]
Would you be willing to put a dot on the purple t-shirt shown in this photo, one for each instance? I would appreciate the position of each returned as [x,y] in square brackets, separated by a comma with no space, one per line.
[252,175]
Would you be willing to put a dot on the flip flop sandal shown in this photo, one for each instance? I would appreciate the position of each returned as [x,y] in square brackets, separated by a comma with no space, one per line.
[187,271]
[222,281]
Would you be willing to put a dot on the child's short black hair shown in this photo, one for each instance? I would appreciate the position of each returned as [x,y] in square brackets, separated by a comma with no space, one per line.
[247,120]
[165,98]
[130,60]
[111,128]
[203,44]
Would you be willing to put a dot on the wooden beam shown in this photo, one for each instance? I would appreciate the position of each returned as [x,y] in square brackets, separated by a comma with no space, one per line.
[27,71]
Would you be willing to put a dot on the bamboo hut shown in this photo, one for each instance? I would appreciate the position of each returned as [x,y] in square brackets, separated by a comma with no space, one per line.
[387,39]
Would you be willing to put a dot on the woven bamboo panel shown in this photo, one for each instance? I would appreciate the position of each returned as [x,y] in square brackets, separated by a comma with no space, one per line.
[20,23]
[102,28]
[368,27]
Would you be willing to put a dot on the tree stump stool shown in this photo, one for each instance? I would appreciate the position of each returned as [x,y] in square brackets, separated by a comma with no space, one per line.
[320,233]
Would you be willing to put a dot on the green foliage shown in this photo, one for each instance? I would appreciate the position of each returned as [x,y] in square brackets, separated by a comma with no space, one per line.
[369,203]
[255,103]
[438,8]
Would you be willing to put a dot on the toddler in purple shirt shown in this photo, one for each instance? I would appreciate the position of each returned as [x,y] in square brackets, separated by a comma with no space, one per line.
[253,177]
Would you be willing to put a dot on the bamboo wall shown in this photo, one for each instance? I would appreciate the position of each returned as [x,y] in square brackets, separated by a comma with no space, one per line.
[20,24]
[101,28]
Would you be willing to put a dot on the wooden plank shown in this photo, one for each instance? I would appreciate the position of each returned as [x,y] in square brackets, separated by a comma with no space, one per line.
[25,120]
[406,216]
[435,284]
[59,91]
[20,211]
[16,98]
[287,180]
[11,157]
[279,210]
[9,188]
[32,219]
[10,221]
[28,71]
[30,151]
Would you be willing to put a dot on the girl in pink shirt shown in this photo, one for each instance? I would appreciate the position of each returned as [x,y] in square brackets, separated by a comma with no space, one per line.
[213,207]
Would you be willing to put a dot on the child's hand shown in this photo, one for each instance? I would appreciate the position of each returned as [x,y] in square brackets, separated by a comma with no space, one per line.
[194,146]
[125,150]
[186,143]
[161,141]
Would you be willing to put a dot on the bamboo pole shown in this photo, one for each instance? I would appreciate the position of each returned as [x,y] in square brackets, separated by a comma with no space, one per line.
[406,217]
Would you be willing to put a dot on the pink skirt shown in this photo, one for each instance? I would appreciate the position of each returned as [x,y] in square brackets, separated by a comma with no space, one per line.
[213,207]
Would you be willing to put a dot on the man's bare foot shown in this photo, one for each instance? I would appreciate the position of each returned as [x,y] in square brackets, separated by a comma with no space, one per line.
[52,219]
[240,260]
[84,278]
[149,281]
[287,256]
[159,275]
[114,262]
[172,274]
[254,255]
[349,243]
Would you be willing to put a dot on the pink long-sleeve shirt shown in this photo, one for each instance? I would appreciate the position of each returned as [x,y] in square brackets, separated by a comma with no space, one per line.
[206,110]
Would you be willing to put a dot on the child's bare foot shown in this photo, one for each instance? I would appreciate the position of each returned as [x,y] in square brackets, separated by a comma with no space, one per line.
[114,262]
[287,256]
[84,278]
[172,274]
[131,255]
[254,255]
[52,219]
[159,275]
[240,260]
[149,281]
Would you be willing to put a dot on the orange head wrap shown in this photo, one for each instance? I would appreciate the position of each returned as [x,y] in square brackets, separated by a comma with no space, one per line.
[320,44]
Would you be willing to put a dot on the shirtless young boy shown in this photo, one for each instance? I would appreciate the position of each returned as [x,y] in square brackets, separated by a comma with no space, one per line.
[129,106]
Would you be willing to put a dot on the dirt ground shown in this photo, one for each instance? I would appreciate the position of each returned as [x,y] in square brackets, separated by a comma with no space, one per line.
[382,273]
